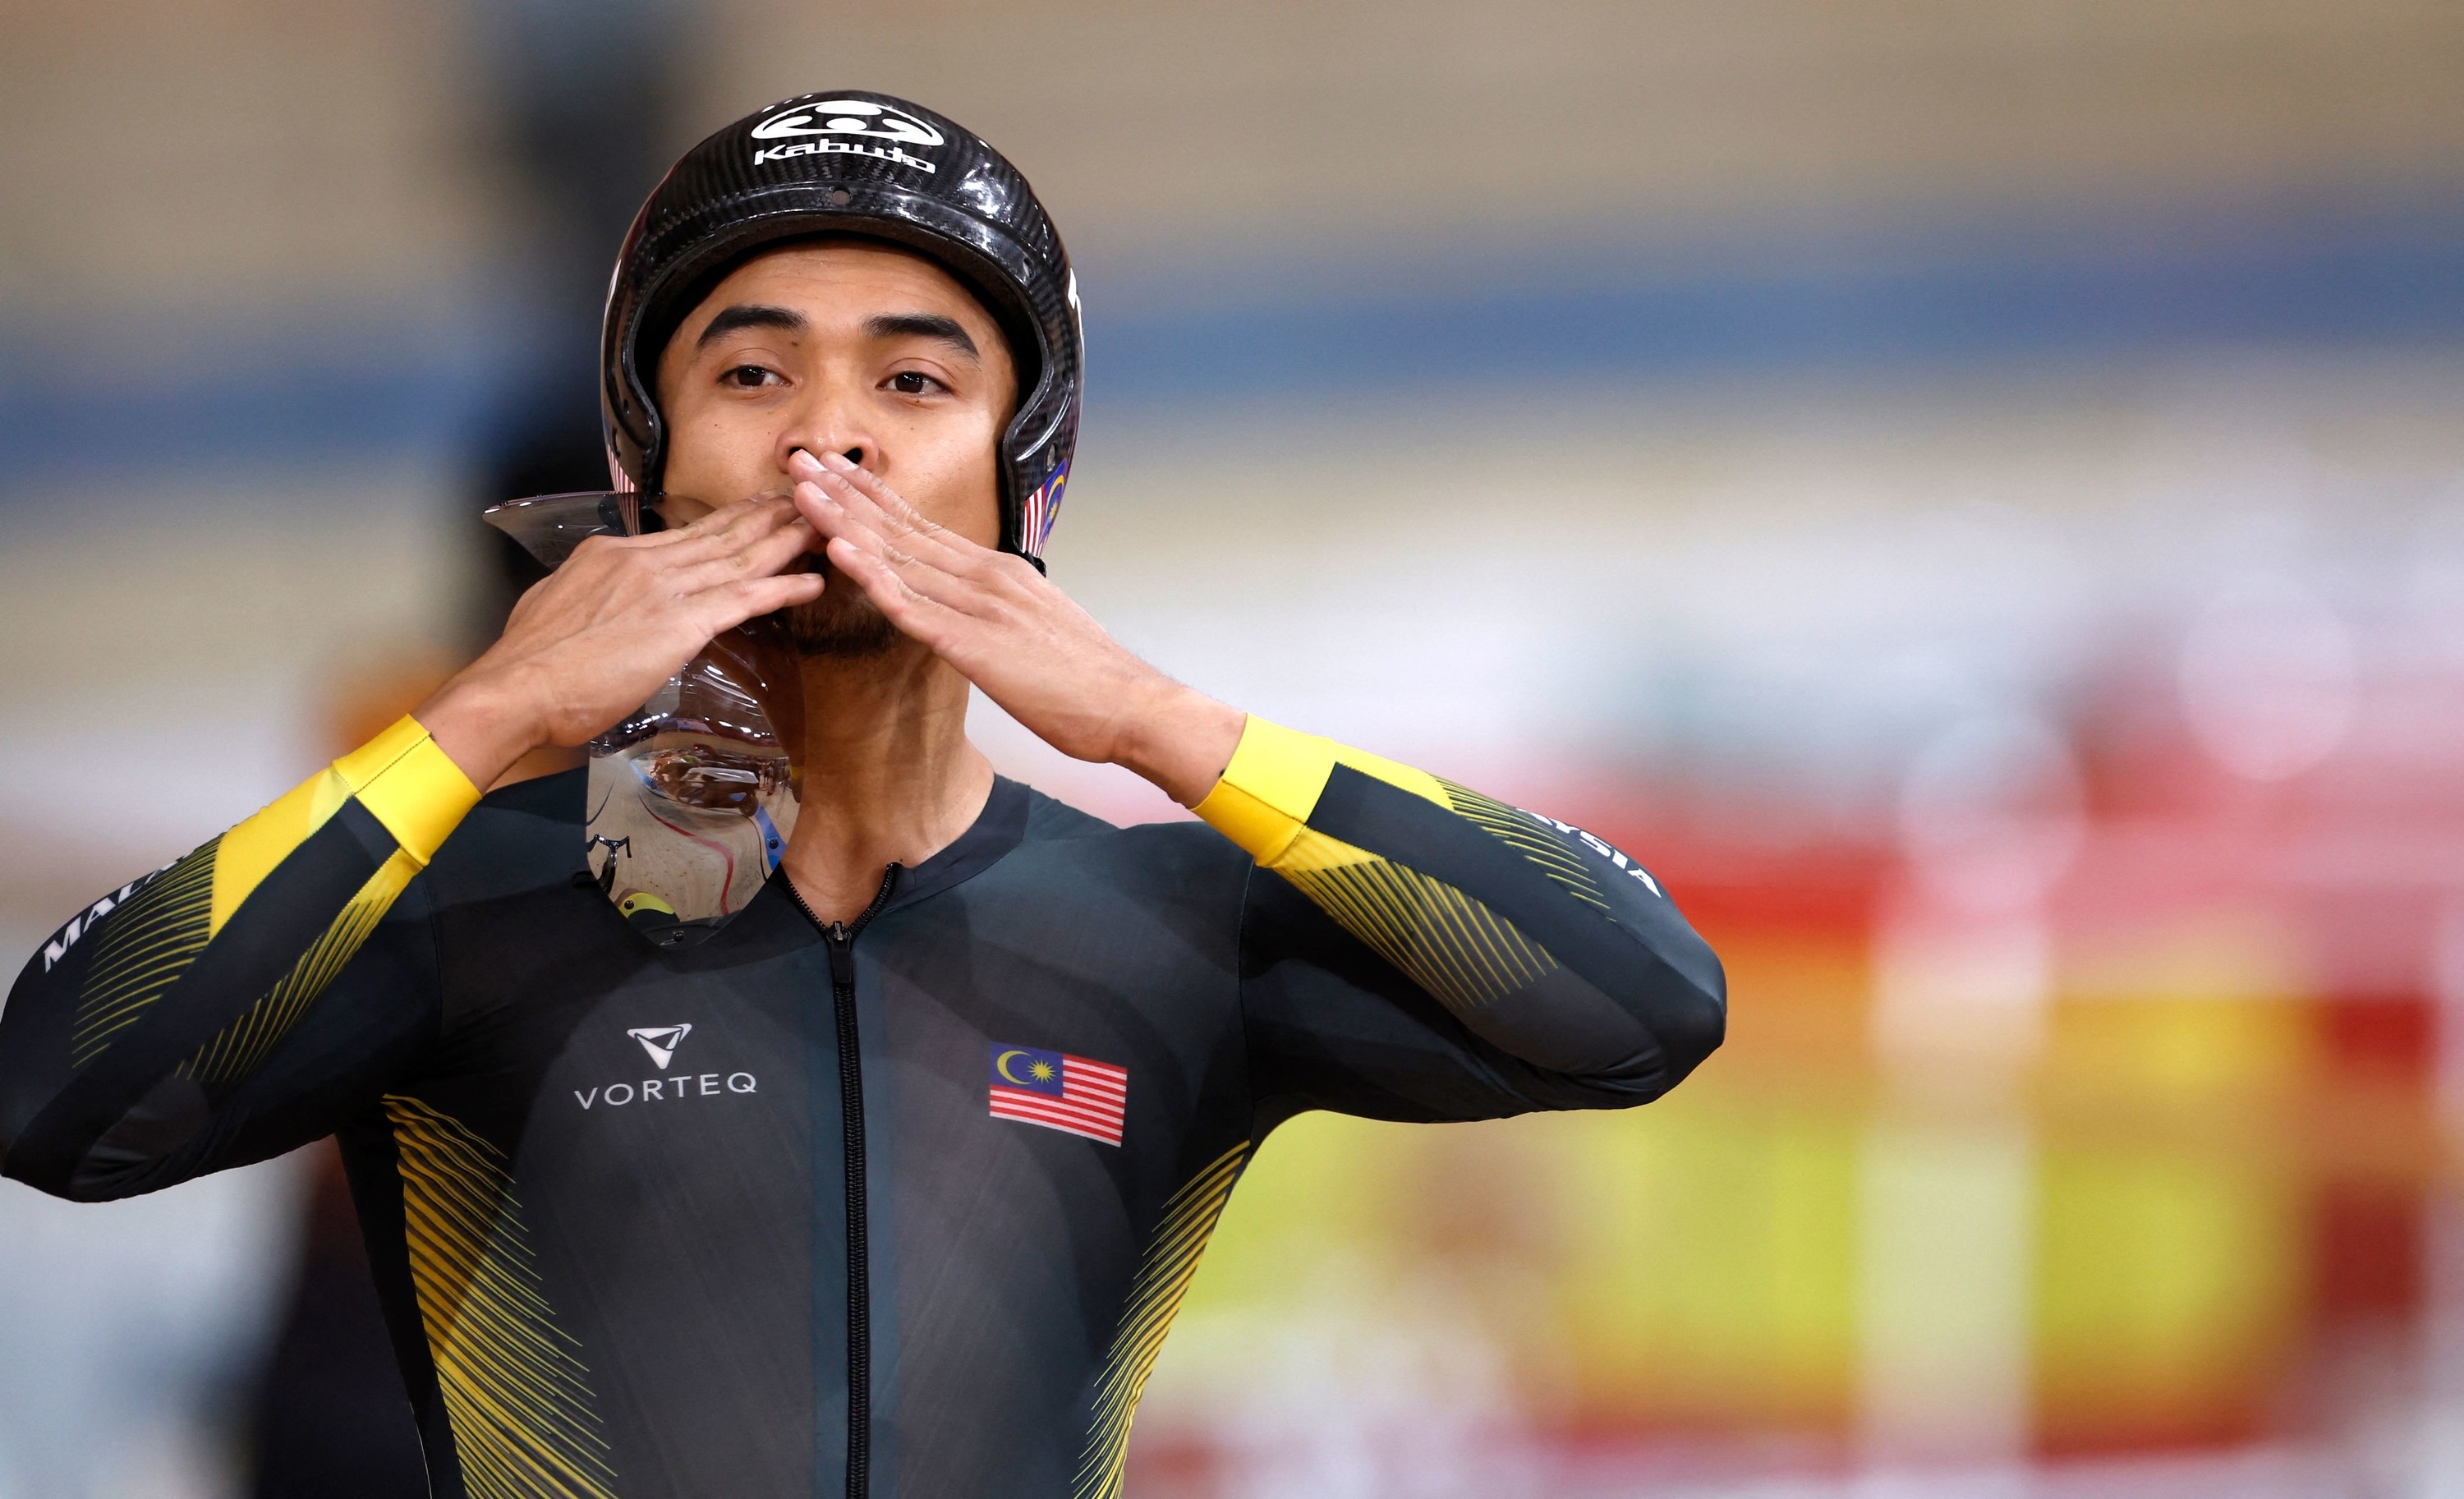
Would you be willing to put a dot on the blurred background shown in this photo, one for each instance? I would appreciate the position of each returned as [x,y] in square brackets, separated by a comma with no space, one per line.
[1972,494]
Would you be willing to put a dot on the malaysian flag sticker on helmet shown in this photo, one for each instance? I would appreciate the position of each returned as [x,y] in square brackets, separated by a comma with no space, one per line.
[1041,510]
[1075,1095]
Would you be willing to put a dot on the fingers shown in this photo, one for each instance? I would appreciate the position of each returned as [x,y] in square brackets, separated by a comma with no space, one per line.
[753,555]
[730,604]
[751,537]
[823,496]
[725,529]
[869,485]
[920,559]
[909,566]
[919,615]
[889,577]
[833,489]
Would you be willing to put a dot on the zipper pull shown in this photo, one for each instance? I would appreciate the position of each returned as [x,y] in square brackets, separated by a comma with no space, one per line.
[842,954]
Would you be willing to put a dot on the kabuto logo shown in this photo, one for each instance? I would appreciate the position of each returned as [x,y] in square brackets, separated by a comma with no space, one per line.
[846,127]
[660,1042]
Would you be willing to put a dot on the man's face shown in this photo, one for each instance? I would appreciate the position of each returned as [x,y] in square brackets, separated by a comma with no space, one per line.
[841,346]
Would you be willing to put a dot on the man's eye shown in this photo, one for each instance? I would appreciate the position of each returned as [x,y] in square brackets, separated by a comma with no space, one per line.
[748,376]
[913,383]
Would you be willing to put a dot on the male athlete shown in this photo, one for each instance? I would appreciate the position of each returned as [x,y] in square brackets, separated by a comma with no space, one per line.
[891,1184]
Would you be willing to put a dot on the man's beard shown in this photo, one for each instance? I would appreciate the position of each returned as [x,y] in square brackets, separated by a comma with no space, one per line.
[841,622]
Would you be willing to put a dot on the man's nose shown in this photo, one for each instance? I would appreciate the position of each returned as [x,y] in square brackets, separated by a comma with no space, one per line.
[832,419]
[854,453]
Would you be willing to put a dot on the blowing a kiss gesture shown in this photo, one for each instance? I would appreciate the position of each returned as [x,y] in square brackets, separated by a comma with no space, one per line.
[1010,630]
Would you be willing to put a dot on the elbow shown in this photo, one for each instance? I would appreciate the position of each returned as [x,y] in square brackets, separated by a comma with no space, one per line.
[90,1179]
[1683,1001]
[57,1151]
[71,1186]
[28,1167]
[1690,1022]
[1684,1013]
[1617,1040]
[1681,1019]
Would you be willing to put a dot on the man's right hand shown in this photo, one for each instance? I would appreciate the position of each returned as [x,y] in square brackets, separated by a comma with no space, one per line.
[593,640]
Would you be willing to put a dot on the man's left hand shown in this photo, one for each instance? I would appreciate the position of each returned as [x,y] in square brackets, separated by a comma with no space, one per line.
[1016,635]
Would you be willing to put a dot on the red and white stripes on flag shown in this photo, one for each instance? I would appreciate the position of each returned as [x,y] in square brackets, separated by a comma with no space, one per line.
[1077,1095]
[1038,513]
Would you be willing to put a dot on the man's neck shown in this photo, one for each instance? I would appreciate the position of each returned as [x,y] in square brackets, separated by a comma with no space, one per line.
[889,774]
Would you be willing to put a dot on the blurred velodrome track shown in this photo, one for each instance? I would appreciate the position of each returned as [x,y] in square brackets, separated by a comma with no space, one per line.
[1972,494]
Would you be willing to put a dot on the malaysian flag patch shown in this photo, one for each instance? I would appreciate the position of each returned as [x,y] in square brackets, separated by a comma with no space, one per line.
[1058,1092]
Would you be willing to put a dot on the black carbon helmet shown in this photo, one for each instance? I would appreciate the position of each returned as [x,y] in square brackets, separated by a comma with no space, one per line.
[852,161]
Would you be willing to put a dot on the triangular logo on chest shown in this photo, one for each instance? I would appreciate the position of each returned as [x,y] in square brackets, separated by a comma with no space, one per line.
[661,1042]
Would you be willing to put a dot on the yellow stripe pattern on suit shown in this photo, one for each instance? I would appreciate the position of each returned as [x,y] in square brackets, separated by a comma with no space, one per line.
[1464,954]
[244,1044]
[516,1391]
[1163,1278]
[409,784]
[1520,831]
[1450,944]
[150,942]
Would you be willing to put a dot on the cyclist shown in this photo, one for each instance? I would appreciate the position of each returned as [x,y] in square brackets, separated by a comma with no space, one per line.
[891,1184]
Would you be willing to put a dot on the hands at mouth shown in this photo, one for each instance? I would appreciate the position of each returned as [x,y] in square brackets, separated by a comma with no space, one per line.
[595,639]
[1012,632]
[592,641]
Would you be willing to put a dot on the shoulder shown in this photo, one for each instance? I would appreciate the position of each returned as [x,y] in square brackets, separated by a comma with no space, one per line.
[1058,828]
[1048,818]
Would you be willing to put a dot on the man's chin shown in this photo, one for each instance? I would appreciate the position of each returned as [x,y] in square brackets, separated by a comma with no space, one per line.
[837,626]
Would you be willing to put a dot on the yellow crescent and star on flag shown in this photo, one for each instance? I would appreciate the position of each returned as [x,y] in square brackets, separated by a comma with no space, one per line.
[1038,1070]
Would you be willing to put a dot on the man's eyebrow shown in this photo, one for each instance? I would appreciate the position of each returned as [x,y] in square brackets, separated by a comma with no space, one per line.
[752,314]
[923,325]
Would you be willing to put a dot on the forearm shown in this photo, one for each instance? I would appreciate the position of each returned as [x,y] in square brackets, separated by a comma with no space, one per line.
[486,718]
[130,1026]
[1179,739]
[1542,941]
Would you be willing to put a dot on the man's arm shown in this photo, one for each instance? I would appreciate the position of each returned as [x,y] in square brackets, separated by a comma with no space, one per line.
[1518,963]
[1530,965]
[184,1022]
[137,1045]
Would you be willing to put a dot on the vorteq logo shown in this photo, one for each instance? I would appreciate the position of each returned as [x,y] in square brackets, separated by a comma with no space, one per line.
[660,1043]
[842,126]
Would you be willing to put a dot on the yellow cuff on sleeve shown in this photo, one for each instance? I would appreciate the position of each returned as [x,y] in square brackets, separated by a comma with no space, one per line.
[400,776]
[1268,790]
[409,785]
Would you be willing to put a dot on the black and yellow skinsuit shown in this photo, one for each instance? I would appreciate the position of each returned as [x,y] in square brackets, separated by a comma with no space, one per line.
[676,1294]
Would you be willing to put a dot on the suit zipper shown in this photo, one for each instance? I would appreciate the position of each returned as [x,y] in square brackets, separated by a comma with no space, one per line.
[840,941]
